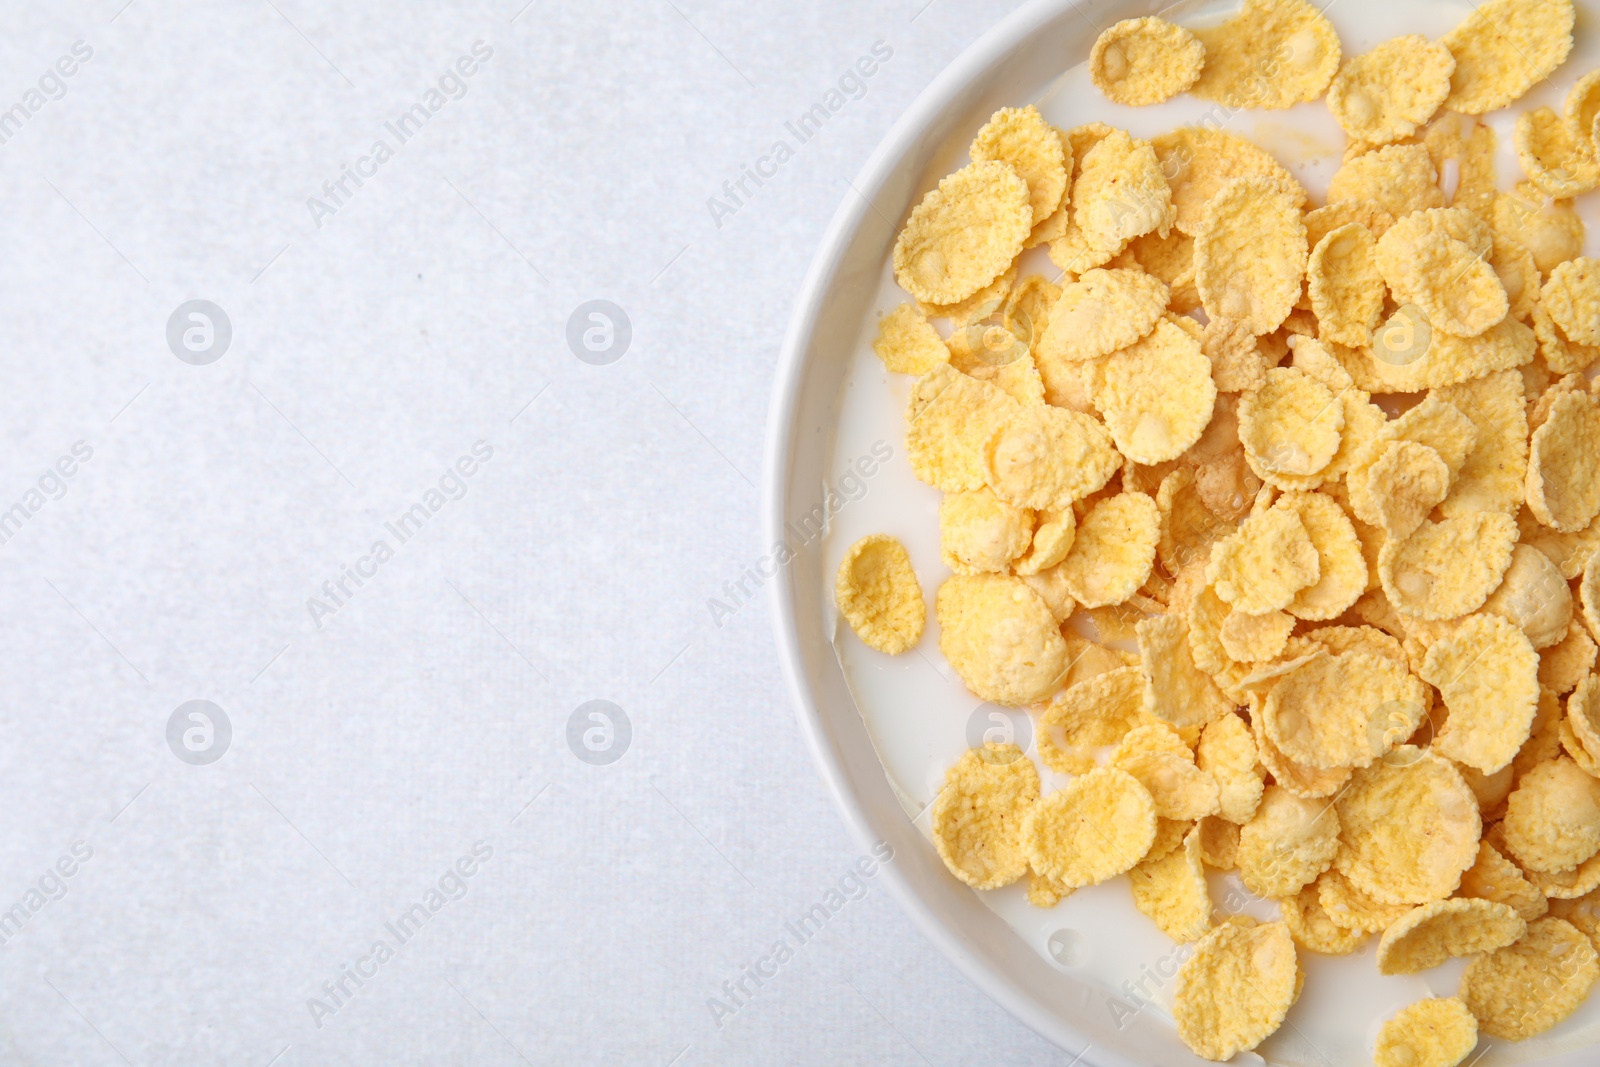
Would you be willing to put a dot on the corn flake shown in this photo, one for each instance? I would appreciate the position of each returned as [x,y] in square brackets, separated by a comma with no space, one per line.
[1176,691]
[1250,253]
[1145,61]
[1119,194]
[963,234]
[1348,907]
[1438,1032]
[950,418]
[1409,827]
[1487,672]
[1256,638]
[1095,827]
[1157,395]
[1503,49]
[1425,262]
[878,594]
[977,817]
[1526,988]
[1556,156]
[1290,426]
[1492,476]
[1046,458]
[1171,890]
[1287,843]
[1564,465]
[1113,551]
[1022,139]
[1399,179]
[1262,566]
[1429,934]
[1552,821]
[1385,94]
[1313,929]
[1089,718]
[1550,229]
[1000,637]
[979,532]
[908,344]
[1448,568]
[1343,710]
[1534,597]
[1571,297]
[1236,988]
[1273,54]
[1345,285]
[1103,311]
[1405,483]
[1493,877]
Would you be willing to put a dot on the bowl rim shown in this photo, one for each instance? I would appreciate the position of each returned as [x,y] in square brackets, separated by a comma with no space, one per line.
[970,68]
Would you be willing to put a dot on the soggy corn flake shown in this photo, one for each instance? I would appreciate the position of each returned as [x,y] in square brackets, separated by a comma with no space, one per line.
[1290,426]
[1555,156]
[1235,989]
[1273,54]
[1399,179]
[1000,638]
[949,420]
[1157,395]
[1171,890]
[1250,253]
[1287,843]
[1526,988]
[908,344]
[1385,94]
[1408,826]
[1022,139]
[1488,674]
[1448,568]
[977,816]
[1145,61]
[1431,933]
[1504,48]
[979,532]
[1346,287]
[1113,551]
[1095,827]
[1552,821]
[1438,1032]
[1564,465]
[1262,566]
[1046,458]
[878,594]
[1343,710]
[963,234]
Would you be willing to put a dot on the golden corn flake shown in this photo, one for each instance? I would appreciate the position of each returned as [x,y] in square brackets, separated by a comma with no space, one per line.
[1544,737]
[979,532]
[1022,139]
[977,817]
[1504,48]
[1169,835]
[1348,907]
[1188,527]
[1228,753]
[1119,194]
[1198,161]
[1113,551]
[1095,827]
[1387,93]
[1262,566]
[980,305]
[950,418]
[1171,890]
[1488,674]
[1290,426]
[1448,568]
[1000,638]
[963,234]
[1179,788]
[1343,710]
[1150,737]
[1046,458]
[1564,665]
[1555,156]
[1250,253]
[1518,273]
[1552,821]
[1273,54]
[878,594]
[1526,988]
[1428,935]
[1050,542]
[1341,570]
[1583,103]
[1236,988]
[1564,465]
[1534,597]
[1145,61]
[1157,395]
[1026,313]
[1492,476]
[1408,355]
[1256,638]
[1439,1032]
[1090,717]
[1569,885]
[907,344]
[1448,279]
[1571,296]
[1405,483]
[1345,285]
[1399,179]
[1549,228]
[1313,929]
[1176,691]
[1409,828]
[1493,877]
[1170,258]
[1368,214]
[1103,311]
[1287,844]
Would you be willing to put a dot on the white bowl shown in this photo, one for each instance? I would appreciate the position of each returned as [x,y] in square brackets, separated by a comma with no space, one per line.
[1012,64]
